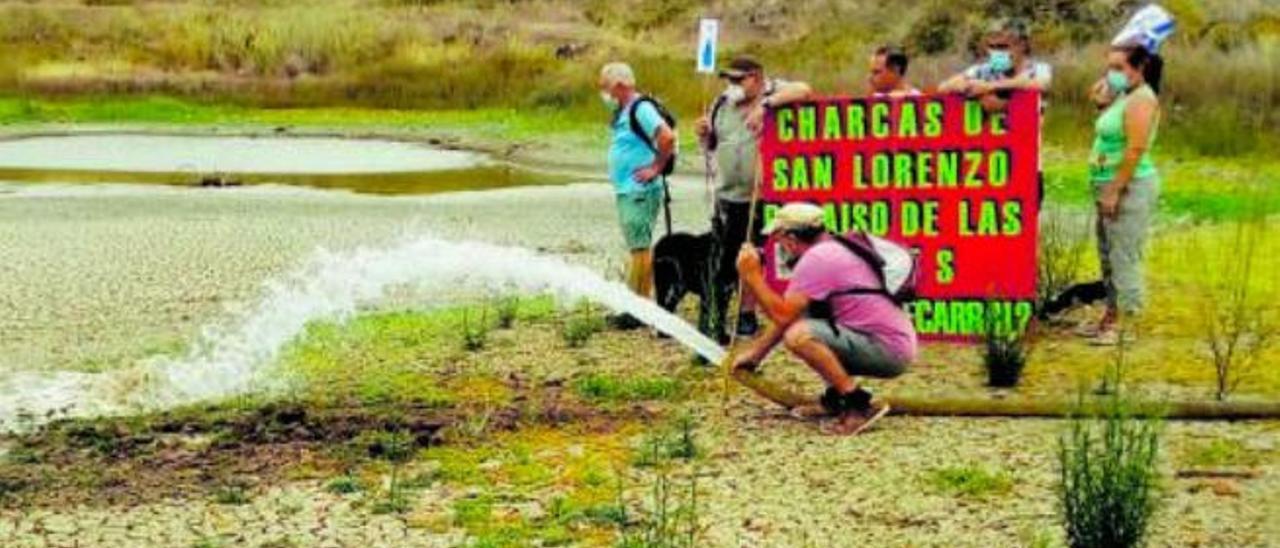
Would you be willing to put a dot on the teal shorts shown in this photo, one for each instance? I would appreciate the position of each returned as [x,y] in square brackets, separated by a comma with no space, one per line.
[636,213]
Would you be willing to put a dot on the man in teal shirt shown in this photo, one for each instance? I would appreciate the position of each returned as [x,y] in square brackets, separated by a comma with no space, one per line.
[635,168]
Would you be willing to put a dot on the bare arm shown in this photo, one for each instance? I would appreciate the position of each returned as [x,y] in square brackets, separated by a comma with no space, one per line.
[782,310]
[665,139]
[1038,83]
[791,92]
[954,84]
[1139,116]
[1100,94]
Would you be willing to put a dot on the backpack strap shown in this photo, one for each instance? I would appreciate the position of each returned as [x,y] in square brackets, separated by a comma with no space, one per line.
[634,119]
[712,140]
[874,262]
[824,310]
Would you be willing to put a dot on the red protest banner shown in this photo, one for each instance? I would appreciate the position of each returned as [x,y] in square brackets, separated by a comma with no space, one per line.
[938,173]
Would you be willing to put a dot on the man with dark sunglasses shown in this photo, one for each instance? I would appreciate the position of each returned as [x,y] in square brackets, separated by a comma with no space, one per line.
[731,133]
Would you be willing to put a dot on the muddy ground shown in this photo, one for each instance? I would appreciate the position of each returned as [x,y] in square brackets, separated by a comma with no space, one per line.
[530,439]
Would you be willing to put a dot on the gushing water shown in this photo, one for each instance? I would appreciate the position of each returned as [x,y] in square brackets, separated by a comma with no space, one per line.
[236,358]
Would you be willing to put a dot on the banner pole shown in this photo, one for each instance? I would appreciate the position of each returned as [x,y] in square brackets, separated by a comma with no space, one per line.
[738,289]
[708,160]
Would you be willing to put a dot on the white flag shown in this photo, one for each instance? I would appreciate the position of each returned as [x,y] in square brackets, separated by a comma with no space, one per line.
[708,34]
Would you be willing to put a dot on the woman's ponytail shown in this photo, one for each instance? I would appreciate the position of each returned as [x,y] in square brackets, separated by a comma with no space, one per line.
[1153,71]
[1151,64]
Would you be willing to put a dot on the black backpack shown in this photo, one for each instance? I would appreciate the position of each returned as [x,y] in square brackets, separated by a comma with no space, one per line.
[667,117]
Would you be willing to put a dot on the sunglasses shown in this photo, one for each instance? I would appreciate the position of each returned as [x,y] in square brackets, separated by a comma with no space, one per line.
[736,79]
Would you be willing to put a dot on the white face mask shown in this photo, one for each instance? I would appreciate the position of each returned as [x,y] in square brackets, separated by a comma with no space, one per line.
[735,94]
[609,101]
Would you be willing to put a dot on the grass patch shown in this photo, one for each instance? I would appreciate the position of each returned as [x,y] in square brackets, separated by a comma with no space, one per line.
[676,441]
[1221,452]
[970,481]
[395,357]
[575,467]
[343,485]
[231,494]
[614,389]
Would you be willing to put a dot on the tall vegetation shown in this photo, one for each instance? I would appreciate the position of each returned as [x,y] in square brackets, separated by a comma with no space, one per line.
[1240,321]
[407,53]
[1108,489]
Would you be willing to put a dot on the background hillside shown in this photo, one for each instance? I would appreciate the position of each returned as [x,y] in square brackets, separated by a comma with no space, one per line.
[1222,76]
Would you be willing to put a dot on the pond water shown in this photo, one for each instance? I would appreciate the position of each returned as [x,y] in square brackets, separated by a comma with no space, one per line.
[268,155]
[362,165]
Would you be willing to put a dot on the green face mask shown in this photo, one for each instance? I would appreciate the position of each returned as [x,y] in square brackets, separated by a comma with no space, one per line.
[1117,81]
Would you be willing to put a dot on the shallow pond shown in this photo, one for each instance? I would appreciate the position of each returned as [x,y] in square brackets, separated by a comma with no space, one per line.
[363,165]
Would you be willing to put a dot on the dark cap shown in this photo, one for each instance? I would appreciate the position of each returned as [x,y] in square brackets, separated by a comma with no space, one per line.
[1016,26]
[741,66]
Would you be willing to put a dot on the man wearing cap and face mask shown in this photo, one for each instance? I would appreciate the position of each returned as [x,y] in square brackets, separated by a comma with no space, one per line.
[867,334]
[1008,66]
[731,131]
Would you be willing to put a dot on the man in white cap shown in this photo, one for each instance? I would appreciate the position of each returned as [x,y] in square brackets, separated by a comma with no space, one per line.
[864,333]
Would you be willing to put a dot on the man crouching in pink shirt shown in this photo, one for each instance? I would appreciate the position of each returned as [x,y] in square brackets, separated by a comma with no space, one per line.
[863,333]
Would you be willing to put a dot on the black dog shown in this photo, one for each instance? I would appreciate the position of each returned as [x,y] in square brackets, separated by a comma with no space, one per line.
[687,263]
[1076,295]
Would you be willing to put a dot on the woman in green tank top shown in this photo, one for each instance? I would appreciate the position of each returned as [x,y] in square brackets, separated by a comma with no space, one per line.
[1125,183]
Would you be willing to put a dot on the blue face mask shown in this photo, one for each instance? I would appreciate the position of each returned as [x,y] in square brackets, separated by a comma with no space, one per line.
[999,61]
[1117,81]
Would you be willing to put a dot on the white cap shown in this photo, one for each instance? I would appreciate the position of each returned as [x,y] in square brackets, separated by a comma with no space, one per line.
[796,216]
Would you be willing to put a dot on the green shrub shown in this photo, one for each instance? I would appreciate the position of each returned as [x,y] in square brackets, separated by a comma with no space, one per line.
[670,519]
[231,494]
[343,485]
[396,447]
[1004,352]
[1108,488]
[475,334]
[507,309]
[1239,322]
[580,326]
